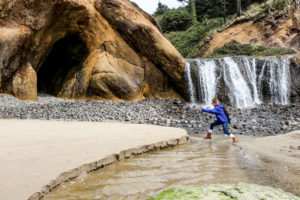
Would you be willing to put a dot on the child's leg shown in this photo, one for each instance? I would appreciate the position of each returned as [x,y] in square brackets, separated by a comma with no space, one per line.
[212,125]
[225,129]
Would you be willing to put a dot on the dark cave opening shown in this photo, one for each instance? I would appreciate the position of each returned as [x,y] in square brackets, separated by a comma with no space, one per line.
[64,60]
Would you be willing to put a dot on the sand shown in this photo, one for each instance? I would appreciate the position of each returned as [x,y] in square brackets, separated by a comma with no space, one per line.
[282,148]
[34,152]
[277,158]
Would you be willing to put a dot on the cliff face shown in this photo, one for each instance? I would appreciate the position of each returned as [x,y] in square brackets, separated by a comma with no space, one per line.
[261,30]
[92,49]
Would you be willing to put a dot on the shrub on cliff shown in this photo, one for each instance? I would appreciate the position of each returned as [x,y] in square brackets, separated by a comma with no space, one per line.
[189,41]
[235,48]
[176,20]
[279,5]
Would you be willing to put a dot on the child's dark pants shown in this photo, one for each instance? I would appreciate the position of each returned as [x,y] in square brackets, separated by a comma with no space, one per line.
[225,126]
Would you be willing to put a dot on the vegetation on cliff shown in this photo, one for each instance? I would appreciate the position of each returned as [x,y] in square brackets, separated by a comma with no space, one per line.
[189,42]
[235,48]
[193,39]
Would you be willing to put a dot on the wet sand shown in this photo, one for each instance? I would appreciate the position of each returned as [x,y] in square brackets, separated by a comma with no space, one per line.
[34,152]
[282,148]
[275,157]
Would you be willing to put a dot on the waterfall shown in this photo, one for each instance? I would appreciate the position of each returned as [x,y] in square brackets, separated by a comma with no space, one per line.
[240,93]
[190,82]
[260,79]
[207,79]
[240,81]
[279,83]
[250,68]
[285,82]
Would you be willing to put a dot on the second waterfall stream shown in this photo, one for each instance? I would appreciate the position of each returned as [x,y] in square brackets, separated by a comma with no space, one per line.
[239,81]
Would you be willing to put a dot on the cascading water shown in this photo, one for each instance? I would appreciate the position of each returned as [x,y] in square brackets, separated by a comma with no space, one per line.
[260,79]
[242,81]
[207,79]
[190,83]
[279,82]
[250,65]
[240,93]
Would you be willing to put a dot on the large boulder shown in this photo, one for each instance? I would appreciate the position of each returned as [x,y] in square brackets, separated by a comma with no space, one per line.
[96,49]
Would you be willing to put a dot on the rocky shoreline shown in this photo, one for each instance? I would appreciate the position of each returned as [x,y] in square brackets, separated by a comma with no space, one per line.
[263,120]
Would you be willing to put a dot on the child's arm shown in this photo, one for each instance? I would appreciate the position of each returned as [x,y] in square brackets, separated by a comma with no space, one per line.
[213,111]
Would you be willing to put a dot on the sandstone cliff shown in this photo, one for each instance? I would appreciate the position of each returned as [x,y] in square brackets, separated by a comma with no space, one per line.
[95,49]
[261,29]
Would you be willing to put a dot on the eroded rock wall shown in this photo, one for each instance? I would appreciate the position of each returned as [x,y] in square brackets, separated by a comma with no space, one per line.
[295,79]
[125,58]
[258,30]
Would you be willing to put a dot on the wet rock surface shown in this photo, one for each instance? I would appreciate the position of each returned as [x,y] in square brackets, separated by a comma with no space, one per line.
[263,120]
[219,191]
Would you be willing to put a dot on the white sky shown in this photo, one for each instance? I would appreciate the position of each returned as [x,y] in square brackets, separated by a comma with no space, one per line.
[151,5]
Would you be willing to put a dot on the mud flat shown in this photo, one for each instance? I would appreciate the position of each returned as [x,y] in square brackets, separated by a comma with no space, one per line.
[34,152]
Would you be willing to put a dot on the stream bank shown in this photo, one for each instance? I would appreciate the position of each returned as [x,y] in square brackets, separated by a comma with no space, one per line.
[197,163]
[37,156]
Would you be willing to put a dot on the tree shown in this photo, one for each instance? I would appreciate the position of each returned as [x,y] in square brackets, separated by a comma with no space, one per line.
[193,10]
[192,6]
[224,11]
[161,9]
[176,20]
[239,8]
[208,9]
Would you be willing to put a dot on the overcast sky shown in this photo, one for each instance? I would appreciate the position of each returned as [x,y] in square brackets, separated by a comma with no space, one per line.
[151,5]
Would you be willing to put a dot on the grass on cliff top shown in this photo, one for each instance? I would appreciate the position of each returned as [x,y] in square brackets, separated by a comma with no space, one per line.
[237,49]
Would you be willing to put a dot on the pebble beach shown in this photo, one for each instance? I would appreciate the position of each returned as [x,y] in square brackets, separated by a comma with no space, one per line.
[263,120]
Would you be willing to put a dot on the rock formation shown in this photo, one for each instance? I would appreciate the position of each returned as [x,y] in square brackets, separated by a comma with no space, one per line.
[95,49]
[295,79]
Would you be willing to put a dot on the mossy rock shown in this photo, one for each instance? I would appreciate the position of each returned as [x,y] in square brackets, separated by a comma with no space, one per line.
[240,191]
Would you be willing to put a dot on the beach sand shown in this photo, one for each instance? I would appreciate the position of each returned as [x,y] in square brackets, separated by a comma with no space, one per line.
[282,148]
[280,156]
[34,152]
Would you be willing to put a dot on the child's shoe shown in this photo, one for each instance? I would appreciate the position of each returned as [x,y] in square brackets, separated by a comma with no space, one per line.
[234,140]
[208,136]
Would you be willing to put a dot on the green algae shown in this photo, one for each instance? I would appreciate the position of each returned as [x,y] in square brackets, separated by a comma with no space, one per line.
[240,191]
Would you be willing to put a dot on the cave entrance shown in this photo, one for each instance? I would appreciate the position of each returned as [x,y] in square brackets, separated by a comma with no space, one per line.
[65,58]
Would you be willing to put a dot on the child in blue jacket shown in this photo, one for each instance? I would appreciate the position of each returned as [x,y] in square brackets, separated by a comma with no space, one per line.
[221,119]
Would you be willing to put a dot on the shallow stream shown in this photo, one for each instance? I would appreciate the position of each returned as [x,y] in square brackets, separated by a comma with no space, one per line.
[197,163]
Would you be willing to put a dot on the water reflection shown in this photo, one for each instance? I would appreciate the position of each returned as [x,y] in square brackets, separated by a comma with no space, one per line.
[200,162]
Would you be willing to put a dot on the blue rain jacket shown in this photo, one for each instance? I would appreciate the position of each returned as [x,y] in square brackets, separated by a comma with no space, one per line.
[219,111]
